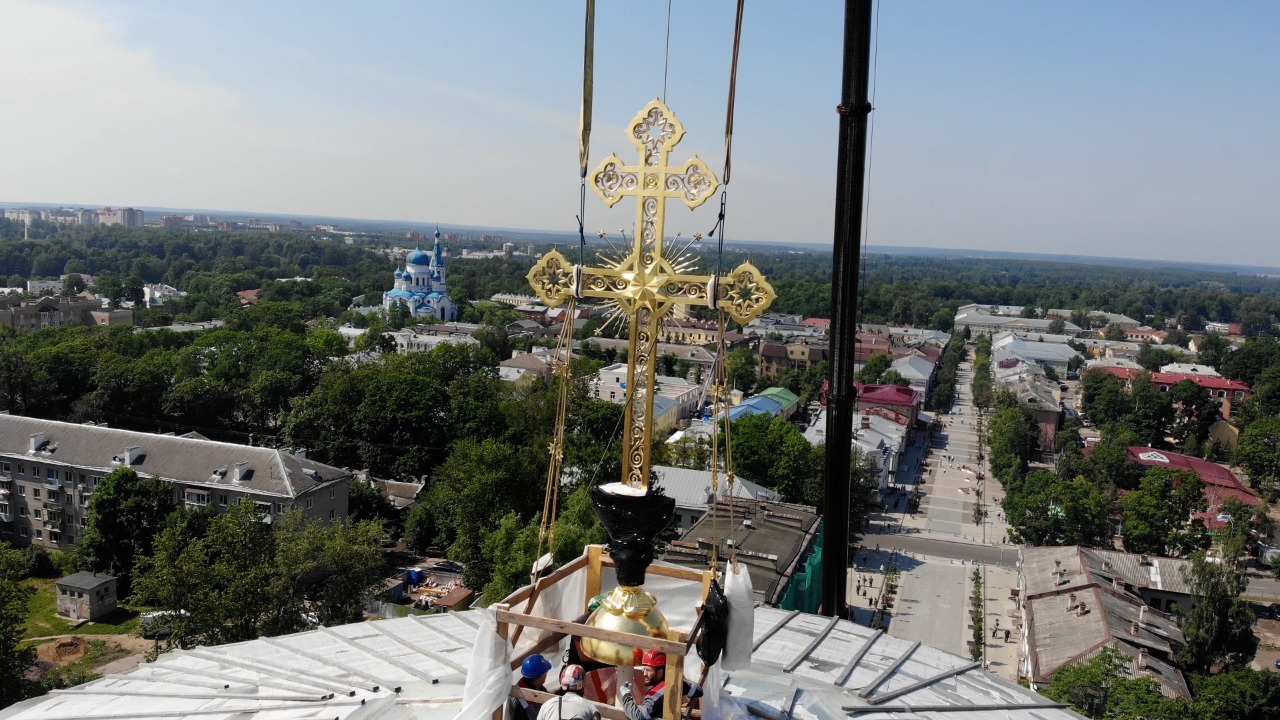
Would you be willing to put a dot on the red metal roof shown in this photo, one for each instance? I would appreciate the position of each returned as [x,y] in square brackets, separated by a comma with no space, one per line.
[1204,381]
[888,394]
[1219,482]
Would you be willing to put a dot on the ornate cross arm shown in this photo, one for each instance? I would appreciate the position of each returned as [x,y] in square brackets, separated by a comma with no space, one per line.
[744,293]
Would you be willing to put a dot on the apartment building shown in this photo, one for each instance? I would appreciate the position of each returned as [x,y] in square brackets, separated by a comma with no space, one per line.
[49,471]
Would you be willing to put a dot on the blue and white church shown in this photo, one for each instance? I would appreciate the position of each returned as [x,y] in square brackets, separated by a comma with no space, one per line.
[420,285]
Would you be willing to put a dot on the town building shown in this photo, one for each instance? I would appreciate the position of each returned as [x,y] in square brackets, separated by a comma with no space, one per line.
[155,294]
[1074,601]
[916,370]
[1218,387]
[773,539]
[695,354]
[49,312]
[879,436]
[1190,368]
[1096,317]
[784,326]
[673,398]
[990,319]
[696,332]
[128,217]
[424,338]
[49,470]
[420,285]
[798,355]
[1059,357]
[45,287]
[86,596]
[903,401]
[693,493]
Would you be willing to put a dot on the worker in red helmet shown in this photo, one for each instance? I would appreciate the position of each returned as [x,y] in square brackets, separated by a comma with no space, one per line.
[654,666]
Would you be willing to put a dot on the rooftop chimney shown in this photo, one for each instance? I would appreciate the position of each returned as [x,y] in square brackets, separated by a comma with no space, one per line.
[241,472]
[1081,610]
[37,439]
[131,455]
[1142,615]
[1071,601]
[1057,566]
[1133,628]
[1142,658]
[1144,560]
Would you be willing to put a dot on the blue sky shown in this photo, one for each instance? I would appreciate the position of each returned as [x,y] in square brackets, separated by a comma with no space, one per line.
[1126,129]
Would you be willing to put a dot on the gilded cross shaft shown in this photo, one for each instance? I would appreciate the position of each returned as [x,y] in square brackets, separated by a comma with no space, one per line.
[648,283]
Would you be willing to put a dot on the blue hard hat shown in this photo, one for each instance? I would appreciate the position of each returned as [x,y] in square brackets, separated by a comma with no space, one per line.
[534,666]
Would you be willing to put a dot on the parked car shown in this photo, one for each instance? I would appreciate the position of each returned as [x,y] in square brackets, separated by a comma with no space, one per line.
[447,566]
[160,622]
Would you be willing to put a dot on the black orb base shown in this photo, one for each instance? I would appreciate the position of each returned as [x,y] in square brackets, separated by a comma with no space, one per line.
[633,522]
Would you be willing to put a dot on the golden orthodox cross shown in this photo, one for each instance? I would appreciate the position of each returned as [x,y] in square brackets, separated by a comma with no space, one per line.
[648,284]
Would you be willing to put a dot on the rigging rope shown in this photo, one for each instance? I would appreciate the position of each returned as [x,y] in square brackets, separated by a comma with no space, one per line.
[871,144]
[560,369]
[666,54]
[584,121]
[564,343]
[720,368]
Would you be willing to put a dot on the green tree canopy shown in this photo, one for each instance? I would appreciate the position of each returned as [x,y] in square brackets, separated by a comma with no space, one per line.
[126,513]
[1157,516]
[237,577]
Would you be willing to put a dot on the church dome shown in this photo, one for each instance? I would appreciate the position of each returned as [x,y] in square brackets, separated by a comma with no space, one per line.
[400,273]
[419,257]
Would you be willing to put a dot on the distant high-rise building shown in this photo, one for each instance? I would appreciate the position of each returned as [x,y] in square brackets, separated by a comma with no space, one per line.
[22,216]
[127,217]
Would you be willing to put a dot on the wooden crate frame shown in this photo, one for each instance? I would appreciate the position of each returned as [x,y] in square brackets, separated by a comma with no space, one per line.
[677,645]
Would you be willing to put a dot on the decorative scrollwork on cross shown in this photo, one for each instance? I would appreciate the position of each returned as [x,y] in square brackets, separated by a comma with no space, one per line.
[646,284]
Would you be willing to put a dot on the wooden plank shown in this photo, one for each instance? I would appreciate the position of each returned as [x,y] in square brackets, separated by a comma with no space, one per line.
[675,684]
[376,627]
[813,645]
[594,564]
[923,683]
[680,573]
[379,656]
[606,711]
[545,644]
[553,577]
[789,705]
[756,645]
[670,647]
[848,668]
[322,660]
[888,672]
[289,675]
[501,627]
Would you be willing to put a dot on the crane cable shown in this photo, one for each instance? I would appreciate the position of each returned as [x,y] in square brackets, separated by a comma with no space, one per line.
[720,368]
[560,363]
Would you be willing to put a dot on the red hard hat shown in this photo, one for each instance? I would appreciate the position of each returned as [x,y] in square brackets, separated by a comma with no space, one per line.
[654,658]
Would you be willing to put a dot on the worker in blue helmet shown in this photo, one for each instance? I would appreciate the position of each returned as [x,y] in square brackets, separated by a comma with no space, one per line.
[533,676]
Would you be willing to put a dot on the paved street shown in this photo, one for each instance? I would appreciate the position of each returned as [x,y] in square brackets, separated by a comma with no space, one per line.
[929,607]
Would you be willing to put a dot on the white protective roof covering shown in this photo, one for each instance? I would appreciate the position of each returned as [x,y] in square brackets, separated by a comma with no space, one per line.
[803,667]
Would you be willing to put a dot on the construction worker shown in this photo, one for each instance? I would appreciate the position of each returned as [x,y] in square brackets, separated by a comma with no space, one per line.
[533,676]
[654,666]
[569,705]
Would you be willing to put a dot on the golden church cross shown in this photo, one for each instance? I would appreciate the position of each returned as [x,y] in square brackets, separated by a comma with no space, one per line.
[647,283]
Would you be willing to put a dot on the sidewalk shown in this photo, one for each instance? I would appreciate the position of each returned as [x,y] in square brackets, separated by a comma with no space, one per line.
[952,482]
